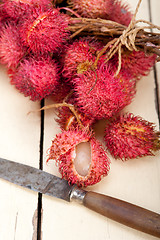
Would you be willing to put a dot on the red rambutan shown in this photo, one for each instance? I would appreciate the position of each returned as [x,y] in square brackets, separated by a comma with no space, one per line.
[61,92]
[11,49]
[92,8]
[80,157]
[121,13]
[101,95]
[137,63]
[36,78]
[67,120]
[79,56]
[45,31]
[15,9]
[130,136]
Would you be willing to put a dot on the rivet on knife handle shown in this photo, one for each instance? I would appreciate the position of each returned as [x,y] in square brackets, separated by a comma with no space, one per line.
[123,212]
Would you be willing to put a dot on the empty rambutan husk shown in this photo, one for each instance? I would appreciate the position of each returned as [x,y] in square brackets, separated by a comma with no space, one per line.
[80,157]
[130,136]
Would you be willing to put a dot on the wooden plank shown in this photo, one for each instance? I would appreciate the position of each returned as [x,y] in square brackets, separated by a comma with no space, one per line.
[19,141]
[136,181]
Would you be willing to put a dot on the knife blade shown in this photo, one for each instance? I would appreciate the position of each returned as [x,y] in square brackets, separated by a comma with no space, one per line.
[40,181]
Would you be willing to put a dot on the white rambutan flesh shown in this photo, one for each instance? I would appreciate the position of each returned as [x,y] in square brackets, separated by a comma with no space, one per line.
[82,158]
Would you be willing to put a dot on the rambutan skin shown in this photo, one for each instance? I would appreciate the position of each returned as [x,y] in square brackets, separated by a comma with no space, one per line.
[66,140]
[61,92]
[36,78]
[121,13]
[67,120]
[79,56]
[92,8]
[137,63]
[16,9]
[130,136]
[11,49]
[101,95]
[99,166]
[45,31]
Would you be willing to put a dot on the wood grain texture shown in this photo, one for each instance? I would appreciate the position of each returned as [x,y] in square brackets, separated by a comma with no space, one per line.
[19,141]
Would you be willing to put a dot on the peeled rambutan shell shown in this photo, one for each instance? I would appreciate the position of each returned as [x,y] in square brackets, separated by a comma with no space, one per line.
[79,56]
[92,8]
[36,78]
[101,95]
[130,136]
[11,48]
[95,162]
[66,140]
[45,31]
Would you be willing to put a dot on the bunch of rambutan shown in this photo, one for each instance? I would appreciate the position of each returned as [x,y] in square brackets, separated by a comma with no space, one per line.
[43,60]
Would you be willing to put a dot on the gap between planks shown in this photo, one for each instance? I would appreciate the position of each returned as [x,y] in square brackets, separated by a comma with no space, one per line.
[157,97]
[39,205]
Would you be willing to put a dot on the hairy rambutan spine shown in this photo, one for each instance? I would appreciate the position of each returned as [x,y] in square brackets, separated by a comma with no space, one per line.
[11,48]
[79,56]
[36,78]
[92,8]
[130,136]
[63,151]
[45,31]
[137,63]
[67,120]
[100,94]
[121,13]
[15,9]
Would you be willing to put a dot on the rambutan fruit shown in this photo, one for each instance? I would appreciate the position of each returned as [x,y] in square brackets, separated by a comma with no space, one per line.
[15,9]
[92,8]
[11,49]
[80,157]
[67,120]
[121,13]
[79,56]
[130,136]
[45,31]
[137,63]
[99,94]
[61,92]
[36,78]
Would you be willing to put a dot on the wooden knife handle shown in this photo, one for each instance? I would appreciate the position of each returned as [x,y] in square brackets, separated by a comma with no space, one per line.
[123,212]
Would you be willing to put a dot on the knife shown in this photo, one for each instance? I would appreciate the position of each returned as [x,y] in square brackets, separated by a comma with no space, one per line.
[40,181]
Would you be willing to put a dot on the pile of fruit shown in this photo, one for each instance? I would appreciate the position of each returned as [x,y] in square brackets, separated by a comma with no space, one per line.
[44,59]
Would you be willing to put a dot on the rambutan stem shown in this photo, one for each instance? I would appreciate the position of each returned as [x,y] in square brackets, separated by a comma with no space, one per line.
[80,30]
[103,50]
[93,69]
[71,11]
[64,104]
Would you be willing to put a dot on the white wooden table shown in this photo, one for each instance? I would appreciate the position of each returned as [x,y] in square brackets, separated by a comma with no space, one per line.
[24,215]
